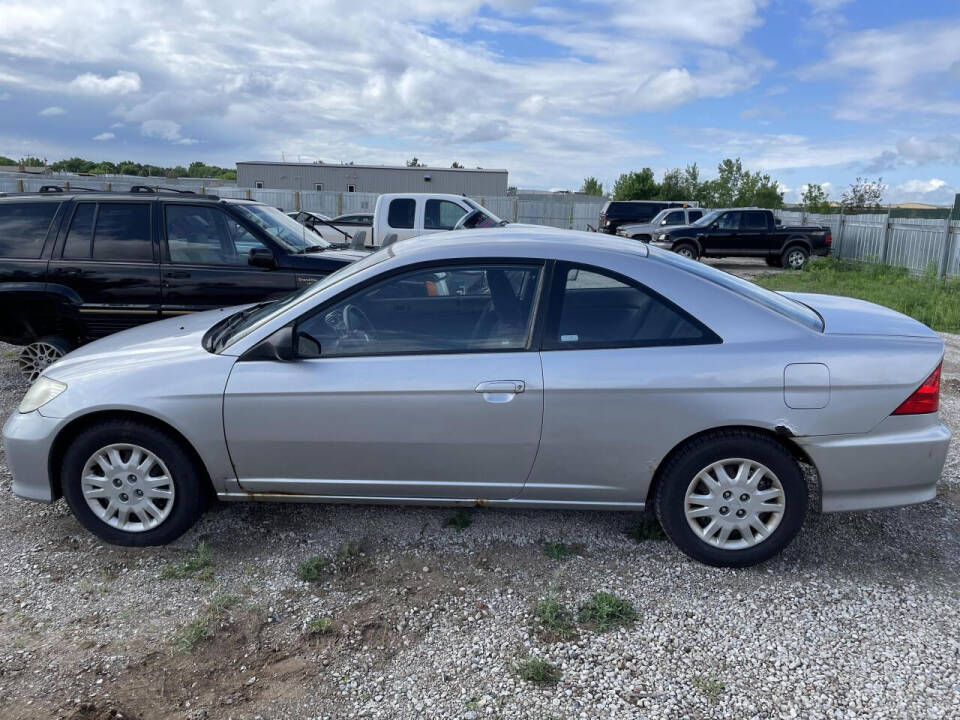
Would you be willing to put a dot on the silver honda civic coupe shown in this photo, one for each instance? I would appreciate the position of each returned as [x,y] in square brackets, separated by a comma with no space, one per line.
[512,367]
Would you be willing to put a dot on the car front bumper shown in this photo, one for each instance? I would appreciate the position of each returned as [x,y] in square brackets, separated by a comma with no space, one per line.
[27,440]
[898,463]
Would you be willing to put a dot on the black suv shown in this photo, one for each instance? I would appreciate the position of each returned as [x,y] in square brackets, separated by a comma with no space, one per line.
[615,213]
[75,266]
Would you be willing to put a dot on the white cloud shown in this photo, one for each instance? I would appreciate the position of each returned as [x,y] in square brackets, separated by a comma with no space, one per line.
[123,83]
[922,186]
[165,130]
[104,136]
[51,111]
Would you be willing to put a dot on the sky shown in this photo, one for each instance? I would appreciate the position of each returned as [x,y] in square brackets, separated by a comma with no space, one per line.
[810,91]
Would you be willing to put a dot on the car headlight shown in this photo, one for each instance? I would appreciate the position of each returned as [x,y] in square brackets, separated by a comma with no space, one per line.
[42,391]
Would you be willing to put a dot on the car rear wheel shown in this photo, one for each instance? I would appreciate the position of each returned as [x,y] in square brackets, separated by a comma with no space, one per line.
[732,498]
[687,251]
[794,258]
[40,354]
[131,483]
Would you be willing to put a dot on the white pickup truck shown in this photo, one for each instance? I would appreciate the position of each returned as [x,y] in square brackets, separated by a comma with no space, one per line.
[398,216]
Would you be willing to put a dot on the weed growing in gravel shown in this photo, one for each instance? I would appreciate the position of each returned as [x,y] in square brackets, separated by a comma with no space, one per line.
[460,520]
[192,633]
[646,529]
[198,564]
[537,670]
[710,686]
[312,569]
[320,626]
[605,611]
[558,551]
[554,619]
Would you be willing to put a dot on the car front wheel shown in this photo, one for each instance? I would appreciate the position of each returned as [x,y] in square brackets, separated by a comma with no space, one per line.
[131,483]
[732,498]
[687,251]
[40,354]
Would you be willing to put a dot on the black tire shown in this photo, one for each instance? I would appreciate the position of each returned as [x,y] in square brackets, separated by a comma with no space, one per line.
[794,257]
[774,261]
[683,467]
[190,489]
[36,356]
[687,250]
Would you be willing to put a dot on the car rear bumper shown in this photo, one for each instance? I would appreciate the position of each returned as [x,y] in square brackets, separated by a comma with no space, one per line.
[898,463]
[27,440]
[822,251]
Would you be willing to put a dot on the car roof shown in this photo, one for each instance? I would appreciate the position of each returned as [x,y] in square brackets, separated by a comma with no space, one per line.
[518,242]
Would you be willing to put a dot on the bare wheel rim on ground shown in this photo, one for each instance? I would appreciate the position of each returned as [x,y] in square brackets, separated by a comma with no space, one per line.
[734,503]
[128,487]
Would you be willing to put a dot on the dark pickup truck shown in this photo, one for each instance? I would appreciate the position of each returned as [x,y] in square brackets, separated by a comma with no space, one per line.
[749,232]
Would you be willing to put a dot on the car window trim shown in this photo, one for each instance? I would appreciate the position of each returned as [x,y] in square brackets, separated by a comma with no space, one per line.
[533,337]
[155,259]
[552,314]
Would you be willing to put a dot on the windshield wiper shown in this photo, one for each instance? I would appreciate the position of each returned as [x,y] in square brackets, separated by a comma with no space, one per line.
[231,322]
[311,249]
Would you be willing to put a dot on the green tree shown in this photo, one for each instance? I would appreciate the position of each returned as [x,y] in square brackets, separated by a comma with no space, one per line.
[864,194]
[415,162]
[636,185]
[456,165]
[815,199]
[591,186]
[672,186]
[736,187]
[74,165]
[4,160]
[31,161]
[104,168]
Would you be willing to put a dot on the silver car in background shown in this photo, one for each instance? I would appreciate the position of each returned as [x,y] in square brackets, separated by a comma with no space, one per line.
[665,218]
[514,367]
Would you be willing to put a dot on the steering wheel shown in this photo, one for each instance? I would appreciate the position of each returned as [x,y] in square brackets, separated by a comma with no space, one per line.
[356,320]
[470,216]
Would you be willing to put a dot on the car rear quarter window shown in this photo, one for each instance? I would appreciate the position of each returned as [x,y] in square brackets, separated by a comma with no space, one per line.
[754,221]
[591,308]
[401,213]
[23,228]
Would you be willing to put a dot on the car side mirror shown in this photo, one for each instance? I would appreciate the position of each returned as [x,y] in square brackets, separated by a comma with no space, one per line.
[278,347]
[307,346]
[714,226]
[261,257]
[777,221]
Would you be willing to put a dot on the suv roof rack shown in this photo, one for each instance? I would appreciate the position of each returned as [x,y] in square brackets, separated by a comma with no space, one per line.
[60,189]
[156,189]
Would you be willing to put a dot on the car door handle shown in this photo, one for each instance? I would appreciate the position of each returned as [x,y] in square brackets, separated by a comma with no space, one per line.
[176,274]
[511,387]
[69,271]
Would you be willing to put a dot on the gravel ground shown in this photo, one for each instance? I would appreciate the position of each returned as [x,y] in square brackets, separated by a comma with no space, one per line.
[859,618]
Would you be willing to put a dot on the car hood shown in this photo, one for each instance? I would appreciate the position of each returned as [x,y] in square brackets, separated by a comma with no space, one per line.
[849,316]
[165,341]
[681,229]
[634,227]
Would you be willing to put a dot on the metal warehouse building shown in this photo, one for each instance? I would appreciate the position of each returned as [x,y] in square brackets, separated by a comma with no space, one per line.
[371,178]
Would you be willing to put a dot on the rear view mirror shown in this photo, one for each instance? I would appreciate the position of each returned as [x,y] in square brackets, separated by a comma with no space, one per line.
[276,347]
[261,257]
[777,221]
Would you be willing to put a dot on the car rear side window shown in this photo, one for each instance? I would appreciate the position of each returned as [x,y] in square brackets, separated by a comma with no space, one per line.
[592,308]
[123,233]
[23,228]
[401,213]
[695,215]
[754,221]
[80,234]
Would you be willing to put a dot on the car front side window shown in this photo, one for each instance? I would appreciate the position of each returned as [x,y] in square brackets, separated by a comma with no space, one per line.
[449,309]
[203,235]
[729,221]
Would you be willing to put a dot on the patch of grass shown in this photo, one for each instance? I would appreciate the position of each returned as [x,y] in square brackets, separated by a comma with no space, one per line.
[710,686]
[193,632]
[460,521]
[199,564]
[647,529]
[320,626]
[313,568]
[554,618]
[558,551]
[605,611]
[927,298]
[538,670]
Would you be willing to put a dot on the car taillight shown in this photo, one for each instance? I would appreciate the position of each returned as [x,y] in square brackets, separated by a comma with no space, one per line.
[925,399]
[828,239]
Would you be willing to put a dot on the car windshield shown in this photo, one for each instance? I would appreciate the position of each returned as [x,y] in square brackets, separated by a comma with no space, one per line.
[492,220]
[235,326]
[284,230]
[658,217]
[793,309]
[707,219]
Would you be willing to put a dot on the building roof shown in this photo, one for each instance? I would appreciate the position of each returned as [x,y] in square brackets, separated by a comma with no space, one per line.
[419,168]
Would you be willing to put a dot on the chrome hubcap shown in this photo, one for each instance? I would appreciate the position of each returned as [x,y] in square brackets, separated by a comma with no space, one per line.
[685,252]
[734,504]
[795,259]
[128,487]
[37,357]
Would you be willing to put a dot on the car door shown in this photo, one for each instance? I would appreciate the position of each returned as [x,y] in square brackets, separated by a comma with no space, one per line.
[674,217]
[754,232]
[422,385]
[206,261]
[110,259]
[607,342]
[722,236]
